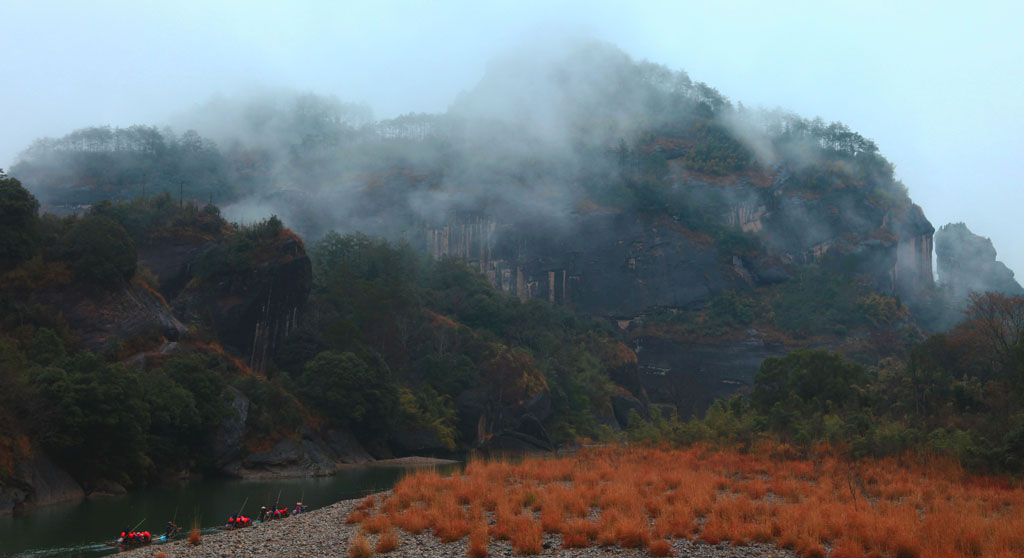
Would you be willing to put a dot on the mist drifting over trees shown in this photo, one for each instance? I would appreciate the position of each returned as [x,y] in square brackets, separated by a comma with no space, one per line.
[544,133]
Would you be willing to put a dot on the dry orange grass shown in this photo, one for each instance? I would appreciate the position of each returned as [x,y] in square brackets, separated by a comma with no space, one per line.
[376,524]
[660,548]
[359,548]
[478,540]
[639,497]
[387,542]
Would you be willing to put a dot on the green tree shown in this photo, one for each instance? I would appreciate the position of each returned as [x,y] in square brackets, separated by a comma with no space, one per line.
[19,222]
[350,391]
[97,420]
[811,381]
[99,251]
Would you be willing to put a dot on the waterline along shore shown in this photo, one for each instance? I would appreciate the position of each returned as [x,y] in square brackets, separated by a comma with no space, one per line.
[323,533]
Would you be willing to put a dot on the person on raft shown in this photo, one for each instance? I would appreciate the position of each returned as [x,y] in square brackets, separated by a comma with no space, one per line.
[298,508]
[124,534]
[263,515]
[238,520]
[171,530]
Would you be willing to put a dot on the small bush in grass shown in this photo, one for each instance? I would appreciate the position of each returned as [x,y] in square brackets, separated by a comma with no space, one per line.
[659,548]
[413,520]
[366,503]
[387,542]
[355,517]
[450,526]
[478,540]
[376,524]
[577,533]
[193,536]
[526,536]
[631,532]
[359,548]
[575,540]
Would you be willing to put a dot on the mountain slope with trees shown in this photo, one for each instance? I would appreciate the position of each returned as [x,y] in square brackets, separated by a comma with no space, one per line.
[580,238]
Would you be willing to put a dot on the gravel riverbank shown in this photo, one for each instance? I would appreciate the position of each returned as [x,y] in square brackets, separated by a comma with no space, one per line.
[323,533]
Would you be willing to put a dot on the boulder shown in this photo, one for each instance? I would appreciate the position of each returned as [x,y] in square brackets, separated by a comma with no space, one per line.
[623,403]
[104,488]
[289,457]
[345,448]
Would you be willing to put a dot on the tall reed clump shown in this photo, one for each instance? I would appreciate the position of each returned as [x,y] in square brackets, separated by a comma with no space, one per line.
[193,535]
[478,540]
[387,542]
[359,547]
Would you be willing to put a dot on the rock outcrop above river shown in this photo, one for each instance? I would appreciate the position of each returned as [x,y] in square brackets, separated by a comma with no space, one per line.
[37,482]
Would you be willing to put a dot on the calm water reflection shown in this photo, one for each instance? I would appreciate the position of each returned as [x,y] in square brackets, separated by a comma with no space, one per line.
[79,529]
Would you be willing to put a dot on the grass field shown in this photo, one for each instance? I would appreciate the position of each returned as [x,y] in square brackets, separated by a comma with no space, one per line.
[641,498]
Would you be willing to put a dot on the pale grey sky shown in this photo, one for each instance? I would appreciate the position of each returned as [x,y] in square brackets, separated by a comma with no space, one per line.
[938,85]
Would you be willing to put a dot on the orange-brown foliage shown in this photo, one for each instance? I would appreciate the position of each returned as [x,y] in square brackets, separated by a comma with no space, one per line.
[367,503]
[478,540]
[526,536]
[356,517]
[413,520]
[193,536]
[376,524]
[892,508]
[387,542]
[359,547]
[660,548]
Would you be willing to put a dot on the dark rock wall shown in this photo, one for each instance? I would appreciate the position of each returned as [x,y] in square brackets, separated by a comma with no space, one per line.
[251,313]
[580,262]
[620,266]
[124,313]
[37,483]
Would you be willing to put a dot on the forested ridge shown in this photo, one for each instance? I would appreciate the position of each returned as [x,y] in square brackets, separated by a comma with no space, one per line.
[392,343]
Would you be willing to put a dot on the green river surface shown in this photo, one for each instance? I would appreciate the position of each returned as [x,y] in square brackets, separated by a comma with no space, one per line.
[80,528]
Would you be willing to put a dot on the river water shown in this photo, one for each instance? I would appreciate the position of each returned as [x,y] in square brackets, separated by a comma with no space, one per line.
[79,529]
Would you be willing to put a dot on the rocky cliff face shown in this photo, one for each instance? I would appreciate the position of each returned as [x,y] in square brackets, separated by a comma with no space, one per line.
[621,265]
[37,482]
[132,315]
[967,262]
[645,264]
[661,263]
[252,311]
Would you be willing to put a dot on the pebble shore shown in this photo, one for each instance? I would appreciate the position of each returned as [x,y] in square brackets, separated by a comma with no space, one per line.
[323,533]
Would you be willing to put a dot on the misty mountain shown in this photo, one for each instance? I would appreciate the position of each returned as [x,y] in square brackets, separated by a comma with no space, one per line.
[577,175]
